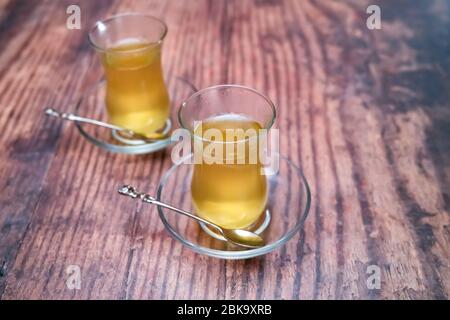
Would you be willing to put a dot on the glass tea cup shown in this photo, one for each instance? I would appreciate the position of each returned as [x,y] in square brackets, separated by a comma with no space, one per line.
[225,122]
[130,46]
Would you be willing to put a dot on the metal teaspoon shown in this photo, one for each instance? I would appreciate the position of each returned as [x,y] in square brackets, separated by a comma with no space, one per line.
[125,132]
[243,238]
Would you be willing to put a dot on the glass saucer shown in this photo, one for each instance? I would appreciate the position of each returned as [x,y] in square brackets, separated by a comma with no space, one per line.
[287,206]
[92,105]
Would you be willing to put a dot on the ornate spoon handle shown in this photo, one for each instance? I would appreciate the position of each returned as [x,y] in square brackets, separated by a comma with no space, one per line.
[131,191]
[73,117]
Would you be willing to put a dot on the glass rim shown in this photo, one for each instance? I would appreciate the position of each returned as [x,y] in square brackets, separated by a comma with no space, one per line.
[128,14]
[221,86]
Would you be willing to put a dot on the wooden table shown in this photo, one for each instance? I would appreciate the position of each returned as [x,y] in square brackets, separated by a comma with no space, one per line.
[365,113]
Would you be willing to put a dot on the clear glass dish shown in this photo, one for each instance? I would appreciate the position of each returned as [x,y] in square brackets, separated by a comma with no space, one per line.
[287,208]
[92,105]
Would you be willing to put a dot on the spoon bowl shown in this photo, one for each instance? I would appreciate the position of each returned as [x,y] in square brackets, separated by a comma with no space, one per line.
[243,238]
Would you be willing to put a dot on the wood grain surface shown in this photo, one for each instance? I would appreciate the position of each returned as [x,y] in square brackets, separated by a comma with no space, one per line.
[364,113]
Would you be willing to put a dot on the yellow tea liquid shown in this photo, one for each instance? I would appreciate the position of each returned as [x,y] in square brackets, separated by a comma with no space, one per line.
[136,96]
[230,195]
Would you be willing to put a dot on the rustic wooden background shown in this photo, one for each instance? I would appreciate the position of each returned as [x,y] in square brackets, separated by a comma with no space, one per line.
[365,113]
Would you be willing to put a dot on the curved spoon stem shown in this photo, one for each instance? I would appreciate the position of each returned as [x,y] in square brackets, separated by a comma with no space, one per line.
[72,117]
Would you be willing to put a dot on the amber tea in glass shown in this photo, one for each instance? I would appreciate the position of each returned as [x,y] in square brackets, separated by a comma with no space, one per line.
[232,195]
[231,189]
[130,49]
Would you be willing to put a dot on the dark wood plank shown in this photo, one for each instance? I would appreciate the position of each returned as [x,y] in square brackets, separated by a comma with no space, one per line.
[37,55]
[365,113]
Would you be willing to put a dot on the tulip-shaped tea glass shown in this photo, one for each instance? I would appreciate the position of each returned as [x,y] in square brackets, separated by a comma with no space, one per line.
[228,186]
[129,46]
